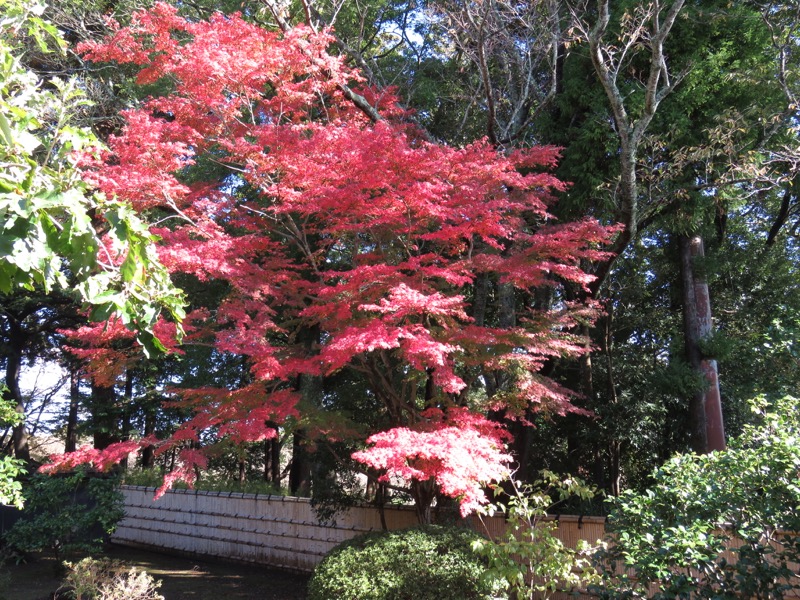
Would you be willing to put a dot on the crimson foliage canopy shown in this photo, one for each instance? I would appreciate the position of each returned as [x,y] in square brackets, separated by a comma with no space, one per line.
[345,243]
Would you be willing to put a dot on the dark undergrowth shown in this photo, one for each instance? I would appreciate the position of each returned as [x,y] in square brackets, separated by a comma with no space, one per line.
[38,577]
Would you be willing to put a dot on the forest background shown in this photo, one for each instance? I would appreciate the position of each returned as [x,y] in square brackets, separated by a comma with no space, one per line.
[676,122]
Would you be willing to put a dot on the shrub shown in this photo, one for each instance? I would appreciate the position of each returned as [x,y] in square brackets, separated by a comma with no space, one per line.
[210,482]
[426,563]
[105,579]
[528,559]
[66,513]
[672,535]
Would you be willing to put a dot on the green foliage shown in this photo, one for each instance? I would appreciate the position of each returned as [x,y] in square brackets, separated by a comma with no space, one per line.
[209,482]
[51,221]
[106,579]
[67,513]
[10,468]
[744,499]
[10,487]
[427,563]
[334,492]
[529,560]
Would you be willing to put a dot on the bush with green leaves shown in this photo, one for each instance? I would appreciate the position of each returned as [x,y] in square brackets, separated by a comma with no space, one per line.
[745,499]
[57,230]
[66,513]
[528,560]
[425,563]
[209,482]
[11,469]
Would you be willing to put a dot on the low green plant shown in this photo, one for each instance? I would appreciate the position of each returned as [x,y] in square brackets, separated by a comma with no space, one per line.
[66,513]
[106,579]
[745,499]
[529,560]
[11,469]
[425,563]
[209,482]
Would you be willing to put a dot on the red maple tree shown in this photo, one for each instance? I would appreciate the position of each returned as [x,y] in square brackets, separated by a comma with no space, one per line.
[346,243]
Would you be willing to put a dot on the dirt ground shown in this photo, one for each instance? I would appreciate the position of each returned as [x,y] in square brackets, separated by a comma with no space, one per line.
[182,578]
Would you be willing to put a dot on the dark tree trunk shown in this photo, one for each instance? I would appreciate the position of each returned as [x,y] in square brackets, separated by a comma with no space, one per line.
[272,459]
[423,493]
[12,394]
[481,297]
[242,476]
[783,214]
[310,388]
[127,413]
[614,445]
[127,408]
[71,443]
[300,470]
[148,453]
[105,417]
[705,407]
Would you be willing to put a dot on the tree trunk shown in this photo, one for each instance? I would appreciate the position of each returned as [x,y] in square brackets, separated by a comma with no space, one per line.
[127,413]
[149,452]
[12,393]
[242,475]
[423,493]
[71,443]
[705,407]
[105,416]
[785,210]
[300,470]
[272,459]
[614,444]
[310,388]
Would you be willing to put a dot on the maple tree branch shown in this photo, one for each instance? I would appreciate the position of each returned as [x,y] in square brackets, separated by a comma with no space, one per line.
[307,9]
[658,85]
[357,99]
[302,241]
[485,76]
[171,204]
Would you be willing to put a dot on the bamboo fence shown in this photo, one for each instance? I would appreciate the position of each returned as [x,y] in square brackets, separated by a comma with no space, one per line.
[280,531]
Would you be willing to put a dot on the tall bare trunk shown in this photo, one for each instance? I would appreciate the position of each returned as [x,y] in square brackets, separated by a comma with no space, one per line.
[106,426]
[705,407]
[149,452]
[272,459]
[300,469]
[12,393]
[71,443]
[310,388]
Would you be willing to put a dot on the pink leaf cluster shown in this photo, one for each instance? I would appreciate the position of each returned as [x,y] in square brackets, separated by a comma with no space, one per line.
[363,232]
[461,451]
[101,460]
[189,460]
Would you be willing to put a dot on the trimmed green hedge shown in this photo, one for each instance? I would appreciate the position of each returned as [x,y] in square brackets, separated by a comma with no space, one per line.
[425,563]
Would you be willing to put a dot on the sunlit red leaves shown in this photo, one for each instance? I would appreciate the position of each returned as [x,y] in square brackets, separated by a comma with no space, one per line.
[226,62]
[189,460]
[459,450]
[101,460]
[107,349]
[145,159]
[239,415]
[363,232]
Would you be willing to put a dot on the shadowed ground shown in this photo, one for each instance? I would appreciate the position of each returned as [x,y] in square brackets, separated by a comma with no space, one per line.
[183,578]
